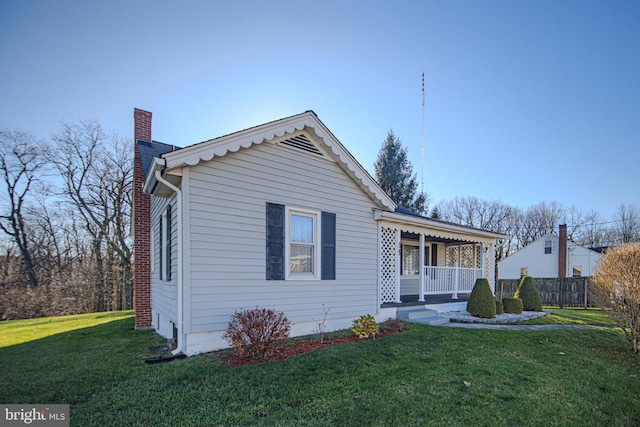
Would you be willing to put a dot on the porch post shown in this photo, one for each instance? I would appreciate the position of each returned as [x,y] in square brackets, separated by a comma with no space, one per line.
[421,286]
[481,259]
[456,280]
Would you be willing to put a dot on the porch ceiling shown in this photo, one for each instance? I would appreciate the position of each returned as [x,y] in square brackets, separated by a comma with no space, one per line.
[434,239]
[435,229]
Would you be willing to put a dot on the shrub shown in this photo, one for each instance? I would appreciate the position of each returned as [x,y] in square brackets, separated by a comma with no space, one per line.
[257,332]
[512,305]
[529,295]
[616,289]
[481,301]
[393,324]
[365,327]
[499,306]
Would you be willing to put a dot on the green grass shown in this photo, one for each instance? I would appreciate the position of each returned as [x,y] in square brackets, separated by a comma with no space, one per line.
[572,316]
[21,331]
[586,377]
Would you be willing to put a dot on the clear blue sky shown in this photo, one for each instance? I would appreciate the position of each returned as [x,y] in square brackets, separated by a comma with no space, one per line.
[526,101]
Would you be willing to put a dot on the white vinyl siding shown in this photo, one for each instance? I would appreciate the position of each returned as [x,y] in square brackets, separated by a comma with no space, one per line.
[541,265]
[227,221]
[164,296]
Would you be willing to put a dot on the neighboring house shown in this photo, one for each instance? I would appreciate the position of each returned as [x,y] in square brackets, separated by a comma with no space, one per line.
[282,216]
[550,256]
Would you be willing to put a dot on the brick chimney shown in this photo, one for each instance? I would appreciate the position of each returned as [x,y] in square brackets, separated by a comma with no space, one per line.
[141,226]
[562,250]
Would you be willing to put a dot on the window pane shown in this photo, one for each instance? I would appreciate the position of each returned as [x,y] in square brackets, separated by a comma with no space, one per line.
[301,229]
[410,260]
[577,271]
[301,258]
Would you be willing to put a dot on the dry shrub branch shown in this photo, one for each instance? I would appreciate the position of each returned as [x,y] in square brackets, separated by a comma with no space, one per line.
[616,288]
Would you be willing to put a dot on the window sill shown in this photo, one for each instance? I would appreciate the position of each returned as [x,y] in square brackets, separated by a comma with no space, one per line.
[302,277]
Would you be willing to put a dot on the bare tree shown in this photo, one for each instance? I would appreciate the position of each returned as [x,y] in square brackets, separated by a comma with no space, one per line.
[21,162]
[97,174]
[538,220]
[592,232]
[491,215]
[487,215]
[626,224]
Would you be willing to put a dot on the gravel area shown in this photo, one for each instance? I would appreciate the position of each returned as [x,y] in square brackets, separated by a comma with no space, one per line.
[465,317]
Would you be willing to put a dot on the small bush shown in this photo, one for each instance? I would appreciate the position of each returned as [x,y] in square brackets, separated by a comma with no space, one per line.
[365,327]
[499,306]
[481,301]
[257,332]
[512,305]
[393,324]
[529,295]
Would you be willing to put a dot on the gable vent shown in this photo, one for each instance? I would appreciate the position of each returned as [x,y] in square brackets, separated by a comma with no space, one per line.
[301,142]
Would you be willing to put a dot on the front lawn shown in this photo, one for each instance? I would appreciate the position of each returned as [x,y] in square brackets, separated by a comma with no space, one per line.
[425,376]
[572,316]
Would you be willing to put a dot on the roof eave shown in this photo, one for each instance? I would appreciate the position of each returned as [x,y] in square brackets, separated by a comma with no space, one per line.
[205,151]
[150,182]
[398,218]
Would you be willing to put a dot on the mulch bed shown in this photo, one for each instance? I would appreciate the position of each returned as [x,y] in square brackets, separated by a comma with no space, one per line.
[299,348]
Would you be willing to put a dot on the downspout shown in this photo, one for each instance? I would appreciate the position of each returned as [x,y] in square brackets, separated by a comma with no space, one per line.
[178,192]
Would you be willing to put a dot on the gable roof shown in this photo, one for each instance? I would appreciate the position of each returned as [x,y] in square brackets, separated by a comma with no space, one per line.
[269,132]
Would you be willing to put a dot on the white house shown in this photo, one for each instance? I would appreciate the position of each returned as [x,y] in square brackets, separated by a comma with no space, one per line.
[550,256]
[282,216]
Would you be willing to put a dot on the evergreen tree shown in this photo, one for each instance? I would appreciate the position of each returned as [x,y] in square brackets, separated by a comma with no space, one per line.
[395,175]
[435,213]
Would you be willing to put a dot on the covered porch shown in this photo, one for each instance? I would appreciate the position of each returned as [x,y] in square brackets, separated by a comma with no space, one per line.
[425,261]
[412,300]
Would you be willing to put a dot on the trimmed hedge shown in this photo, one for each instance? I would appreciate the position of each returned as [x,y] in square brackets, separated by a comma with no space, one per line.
[529,295]
[481,301]
[512,305]
[499,307]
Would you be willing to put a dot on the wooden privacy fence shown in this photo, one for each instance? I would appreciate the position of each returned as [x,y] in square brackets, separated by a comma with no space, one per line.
[557,291]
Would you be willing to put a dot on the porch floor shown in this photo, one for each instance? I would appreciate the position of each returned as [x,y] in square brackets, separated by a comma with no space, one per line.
[411,300]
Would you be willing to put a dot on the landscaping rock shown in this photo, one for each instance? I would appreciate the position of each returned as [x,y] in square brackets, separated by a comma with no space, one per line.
[466,317]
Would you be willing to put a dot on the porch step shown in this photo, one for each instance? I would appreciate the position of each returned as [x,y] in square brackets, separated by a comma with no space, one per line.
[421,315]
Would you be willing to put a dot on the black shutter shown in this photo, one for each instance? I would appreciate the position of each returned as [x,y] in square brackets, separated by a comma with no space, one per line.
[168,249]
[275,241]
[328,243]
[434,254]
[160,247]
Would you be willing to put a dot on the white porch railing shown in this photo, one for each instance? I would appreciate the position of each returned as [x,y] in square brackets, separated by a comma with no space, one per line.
[445,280]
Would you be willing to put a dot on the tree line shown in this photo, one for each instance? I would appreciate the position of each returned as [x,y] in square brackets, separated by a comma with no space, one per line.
[65,218]
[395,175]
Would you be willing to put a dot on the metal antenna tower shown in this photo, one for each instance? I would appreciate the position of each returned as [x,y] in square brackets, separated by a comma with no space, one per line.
[422,169]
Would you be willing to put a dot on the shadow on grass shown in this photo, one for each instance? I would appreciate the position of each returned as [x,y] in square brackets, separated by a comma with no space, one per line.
[73,365]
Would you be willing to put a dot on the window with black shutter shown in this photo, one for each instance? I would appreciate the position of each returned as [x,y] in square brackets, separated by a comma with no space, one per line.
[300,244]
